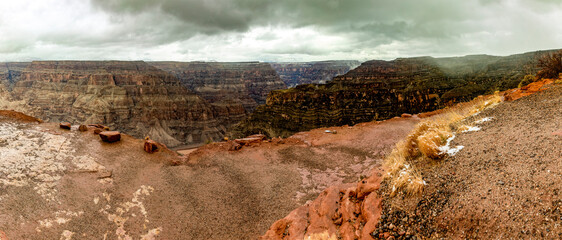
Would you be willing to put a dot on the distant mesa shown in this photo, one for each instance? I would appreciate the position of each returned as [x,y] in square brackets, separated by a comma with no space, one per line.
[297,73]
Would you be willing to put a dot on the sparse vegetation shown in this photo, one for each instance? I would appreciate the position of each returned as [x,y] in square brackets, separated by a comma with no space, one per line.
[551,65]
[424,145]
[527,80]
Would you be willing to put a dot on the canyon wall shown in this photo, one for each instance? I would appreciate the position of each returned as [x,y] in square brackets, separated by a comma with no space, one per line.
[10,73]
[233,84]
[132,97]
[297,73]
[379,90]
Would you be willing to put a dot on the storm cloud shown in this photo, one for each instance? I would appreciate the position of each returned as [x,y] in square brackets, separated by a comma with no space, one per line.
[267,30]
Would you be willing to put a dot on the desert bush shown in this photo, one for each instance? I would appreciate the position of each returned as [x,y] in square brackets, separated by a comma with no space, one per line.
[551,65]
[429,143]
[527,80]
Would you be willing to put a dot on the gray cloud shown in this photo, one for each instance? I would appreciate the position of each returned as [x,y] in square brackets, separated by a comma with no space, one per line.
[273,29]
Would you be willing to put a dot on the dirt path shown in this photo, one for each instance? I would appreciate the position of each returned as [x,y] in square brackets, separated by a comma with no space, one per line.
[504,184]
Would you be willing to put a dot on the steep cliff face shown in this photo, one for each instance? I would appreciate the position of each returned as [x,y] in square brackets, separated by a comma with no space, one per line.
[383,89]
[298,73]
[10,73]
[243,84]
[133,97]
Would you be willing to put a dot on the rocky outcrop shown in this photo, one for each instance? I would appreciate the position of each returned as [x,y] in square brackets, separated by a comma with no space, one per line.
[379,90]
[132,97]
[297,73]
[347,211]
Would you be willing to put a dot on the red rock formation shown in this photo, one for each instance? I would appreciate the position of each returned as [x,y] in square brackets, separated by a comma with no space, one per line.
[83,128]
[110,136]
[348,211]
[150,146]
[65,125]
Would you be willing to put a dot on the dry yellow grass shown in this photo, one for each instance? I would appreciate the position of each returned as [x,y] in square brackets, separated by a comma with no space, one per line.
[430,141]
[423,144]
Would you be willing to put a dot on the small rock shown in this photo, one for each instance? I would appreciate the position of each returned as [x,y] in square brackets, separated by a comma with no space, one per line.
[83,128]
[65,125]
[150,146]
[97,131]
[406,115]
[110,136]
[235,146]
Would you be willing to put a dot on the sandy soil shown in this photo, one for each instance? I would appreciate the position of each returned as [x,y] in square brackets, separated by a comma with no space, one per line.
[504,184]
[60,184]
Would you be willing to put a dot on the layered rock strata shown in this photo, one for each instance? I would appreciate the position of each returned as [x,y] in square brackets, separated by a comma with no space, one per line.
[233,84]
[132,97]
[10,73]
[297,73]
[379,90]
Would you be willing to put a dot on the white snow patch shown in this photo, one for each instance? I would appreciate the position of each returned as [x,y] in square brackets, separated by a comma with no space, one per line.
[447,149]
[486,119]
[472,129]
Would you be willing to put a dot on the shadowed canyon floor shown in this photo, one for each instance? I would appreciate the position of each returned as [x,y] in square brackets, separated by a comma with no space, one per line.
[59,184]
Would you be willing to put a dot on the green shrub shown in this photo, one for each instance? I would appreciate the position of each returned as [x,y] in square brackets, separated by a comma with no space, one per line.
[527,80]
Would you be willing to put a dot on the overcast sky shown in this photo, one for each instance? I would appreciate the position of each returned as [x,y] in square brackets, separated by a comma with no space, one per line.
[273,30]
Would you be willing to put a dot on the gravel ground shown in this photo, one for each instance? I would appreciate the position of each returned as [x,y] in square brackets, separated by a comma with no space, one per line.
[504,184]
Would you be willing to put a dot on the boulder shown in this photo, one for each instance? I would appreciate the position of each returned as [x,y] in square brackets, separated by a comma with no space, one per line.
[110,136]
[150,146]
[83,128]
[65,125]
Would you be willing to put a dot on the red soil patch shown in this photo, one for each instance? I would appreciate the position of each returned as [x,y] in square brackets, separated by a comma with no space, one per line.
[18,116]
[514,94]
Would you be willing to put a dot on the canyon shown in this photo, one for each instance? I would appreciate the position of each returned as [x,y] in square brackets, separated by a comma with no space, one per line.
[176,103]
[133,97]
[239,84]
[297,73]
[379,90]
